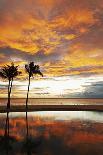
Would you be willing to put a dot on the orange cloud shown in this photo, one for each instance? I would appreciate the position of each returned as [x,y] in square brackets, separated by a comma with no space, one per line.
[75,18]
[58,28]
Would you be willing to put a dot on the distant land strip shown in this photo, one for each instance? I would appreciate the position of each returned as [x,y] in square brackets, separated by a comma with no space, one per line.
[31,108]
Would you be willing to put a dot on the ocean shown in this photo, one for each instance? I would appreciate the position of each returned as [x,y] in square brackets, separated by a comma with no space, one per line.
[52,101]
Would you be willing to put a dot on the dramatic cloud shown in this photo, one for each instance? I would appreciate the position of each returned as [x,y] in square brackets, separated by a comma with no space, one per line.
[65,37]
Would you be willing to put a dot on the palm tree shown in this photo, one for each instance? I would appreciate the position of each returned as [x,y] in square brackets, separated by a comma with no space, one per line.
[9,72]
[31,69]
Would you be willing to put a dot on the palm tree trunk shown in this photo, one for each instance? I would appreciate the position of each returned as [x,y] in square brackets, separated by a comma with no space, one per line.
[9,103]
[7,117]
[8,108]
[27,132]
[7,122]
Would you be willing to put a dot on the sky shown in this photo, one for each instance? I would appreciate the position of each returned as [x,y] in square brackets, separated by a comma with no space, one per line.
[64,37]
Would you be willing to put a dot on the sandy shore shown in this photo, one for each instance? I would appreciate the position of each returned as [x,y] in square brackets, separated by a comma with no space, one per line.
[21,108]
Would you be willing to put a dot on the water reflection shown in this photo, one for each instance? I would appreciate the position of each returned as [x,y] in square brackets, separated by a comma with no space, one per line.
[52,133]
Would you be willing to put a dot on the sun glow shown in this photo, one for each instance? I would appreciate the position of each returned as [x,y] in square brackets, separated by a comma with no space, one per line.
[52,87]
[55,87]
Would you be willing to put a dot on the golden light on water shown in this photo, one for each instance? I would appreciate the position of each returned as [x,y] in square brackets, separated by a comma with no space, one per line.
[62,116]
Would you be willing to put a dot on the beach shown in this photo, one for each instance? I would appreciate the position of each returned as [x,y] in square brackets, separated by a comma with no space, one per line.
[52,104]
[21,108]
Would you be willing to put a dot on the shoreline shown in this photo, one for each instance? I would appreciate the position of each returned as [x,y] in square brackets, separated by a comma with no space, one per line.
[31,108]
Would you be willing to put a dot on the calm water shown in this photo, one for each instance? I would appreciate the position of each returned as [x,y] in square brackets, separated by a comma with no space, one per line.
[54,101]
[56,133]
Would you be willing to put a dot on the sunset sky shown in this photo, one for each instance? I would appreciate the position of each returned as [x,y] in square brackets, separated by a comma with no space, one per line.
[65,37]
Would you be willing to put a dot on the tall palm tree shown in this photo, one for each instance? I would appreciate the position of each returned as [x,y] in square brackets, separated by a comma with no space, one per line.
[9,72]
[31,69]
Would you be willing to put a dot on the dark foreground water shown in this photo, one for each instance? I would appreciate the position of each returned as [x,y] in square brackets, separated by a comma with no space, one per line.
[54,133]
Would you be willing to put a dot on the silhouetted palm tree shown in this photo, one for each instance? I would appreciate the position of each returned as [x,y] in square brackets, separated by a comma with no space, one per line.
[31,69]
[9,72]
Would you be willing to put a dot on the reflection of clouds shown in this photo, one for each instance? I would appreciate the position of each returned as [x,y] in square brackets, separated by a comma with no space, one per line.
[59,136]
[71,115]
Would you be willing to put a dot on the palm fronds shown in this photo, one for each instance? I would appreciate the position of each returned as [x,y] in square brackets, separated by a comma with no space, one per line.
[32,69]
[9,72]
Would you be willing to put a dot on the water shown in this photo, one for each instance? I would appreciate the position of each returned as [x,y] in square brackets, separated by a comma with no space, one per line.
[52,133]
[58,101]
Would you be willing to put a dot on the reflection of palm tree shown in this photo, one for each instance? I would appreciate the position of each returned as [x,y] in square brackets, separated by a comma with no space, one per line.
[31,145]
[9,72]
[31,69]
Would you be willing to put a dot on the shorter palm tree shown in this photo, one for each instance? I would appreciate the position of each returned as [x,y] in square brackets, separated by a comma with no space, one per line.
[31,69]
[9,72]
